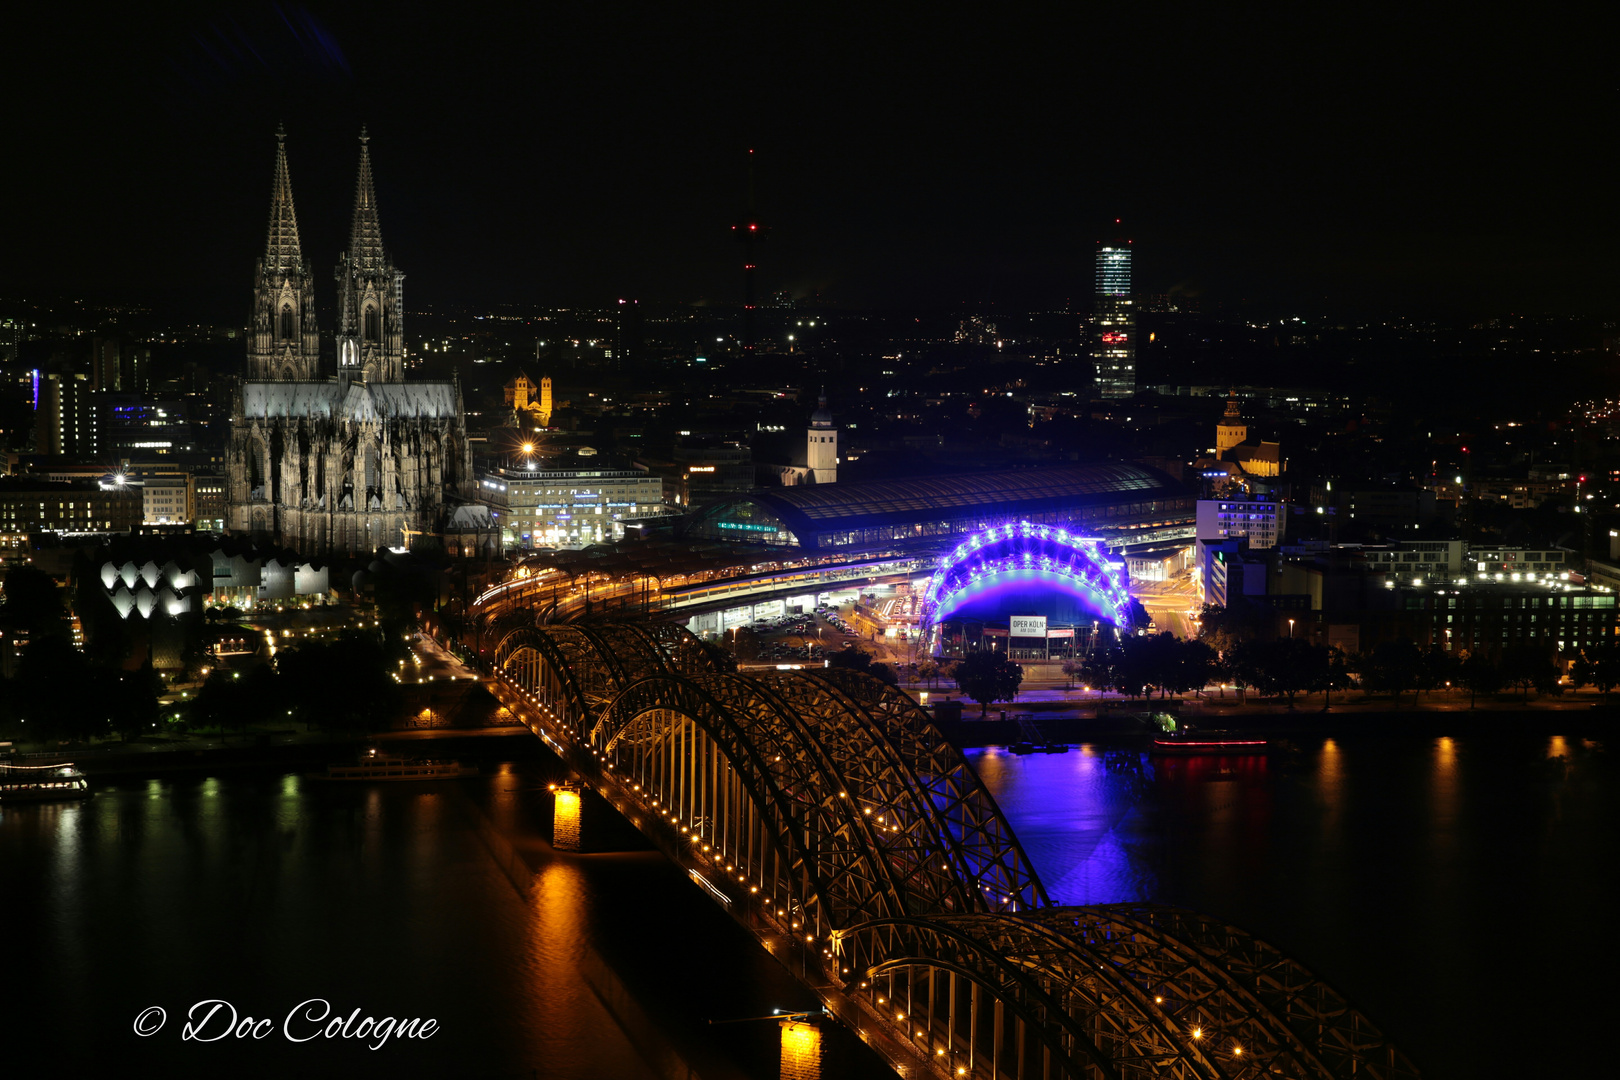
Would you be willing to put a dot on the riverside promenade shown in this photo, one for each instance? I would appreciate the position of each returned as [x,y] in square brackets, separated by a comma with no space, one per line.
[1061,712]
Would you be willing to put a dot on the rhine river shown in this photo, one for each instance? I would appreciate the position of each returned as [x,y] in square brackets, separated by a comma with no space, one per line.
[1458,890]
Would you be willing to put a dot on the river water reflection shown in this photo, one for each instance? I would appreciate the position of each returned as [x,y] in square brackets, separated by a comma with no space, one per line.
[1458,889]
[265,889]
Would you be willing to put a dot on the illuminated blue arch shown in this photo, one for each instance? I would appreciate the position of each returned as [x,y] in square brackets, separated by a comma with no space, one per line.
[1049,554]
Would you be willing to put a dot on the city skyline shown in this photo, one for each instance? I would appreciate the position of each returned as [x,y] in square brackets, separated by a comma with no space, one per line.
[898,164]
[1155,493]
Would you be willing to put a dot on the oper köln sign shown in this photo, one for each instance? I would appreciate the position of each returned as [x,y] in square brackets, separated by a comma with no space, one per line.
[1026,626]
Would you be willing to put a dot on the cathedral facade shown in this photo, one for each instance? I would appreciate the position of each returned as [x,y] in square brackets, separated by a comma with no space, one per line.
[343,461]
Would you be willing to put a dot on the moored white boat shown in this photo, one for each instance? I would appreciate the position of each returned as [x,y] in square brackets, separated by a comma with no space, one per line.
[42,783]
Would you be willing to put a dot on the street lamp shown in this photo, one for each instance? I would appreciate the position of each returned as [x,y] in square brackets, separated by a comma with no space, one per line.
[1290,629]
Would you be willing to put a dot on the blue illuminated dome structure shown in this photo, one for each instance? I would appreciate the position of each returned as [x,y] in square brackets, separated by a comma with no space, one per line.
[1023,568]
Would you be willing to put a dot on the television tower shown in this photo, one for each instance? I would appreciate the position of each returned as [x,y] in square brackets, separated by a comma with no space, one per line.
[749,232]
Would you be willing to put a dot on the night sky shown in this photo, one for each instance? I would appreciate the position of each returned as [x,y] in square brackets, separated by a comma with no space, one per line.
[1335,159]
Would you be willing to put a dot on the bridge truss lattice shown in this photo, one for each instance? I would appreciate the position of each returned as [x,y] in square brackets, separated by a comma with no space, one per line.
[826,803]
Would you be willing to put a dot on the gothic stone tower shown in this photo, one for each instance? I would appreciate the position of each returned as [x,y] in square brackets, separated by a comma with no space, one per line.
[283,342]
[371,333]
[348,463]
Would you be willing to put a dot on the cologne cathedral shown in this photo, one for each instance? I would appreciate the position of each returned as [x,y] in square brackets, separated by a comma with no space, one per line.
[346,457]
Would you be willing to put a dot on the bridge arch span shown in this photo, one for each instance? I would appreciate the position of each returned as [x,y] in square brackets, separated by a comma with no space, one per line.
[576,670]
[1131,990]
[914,973]
[969,819]
[531,659]
[829,813]
[728,763]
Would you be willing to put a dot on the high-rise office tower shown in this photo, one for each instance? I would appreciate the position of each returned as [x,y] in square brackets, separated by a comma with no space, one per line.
[135,363]
[1113,347]
[106,368]
[632,335]
[65,421]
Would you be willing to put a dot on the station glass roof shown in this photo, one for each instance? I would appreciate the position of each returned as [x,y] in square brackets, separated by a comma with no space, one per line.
[1004,493]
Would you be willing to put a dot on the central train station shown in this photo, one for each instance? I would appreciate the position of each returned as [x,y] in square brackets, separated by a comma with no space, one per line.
[1119,501]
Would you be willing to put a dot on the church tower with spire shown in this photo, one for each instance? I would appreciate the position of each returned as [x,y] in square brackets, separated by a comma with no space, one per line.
[371,332]
[284,342]
[822,451]
[1231,431]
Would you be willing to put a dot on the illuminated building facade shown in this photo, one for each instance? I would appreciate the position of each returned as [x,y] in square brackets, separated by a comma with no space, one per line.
[553,507]
[1114,343]
[28,505]
[1259,458]
[208,501]
[522,396]
[1256,520]
[352,461]
[166,500]
[65,421]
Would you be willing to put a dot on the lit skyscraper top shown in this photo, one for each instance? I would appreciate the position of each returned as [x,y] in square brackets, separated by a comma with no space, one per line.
[1113,349]
[1113,270]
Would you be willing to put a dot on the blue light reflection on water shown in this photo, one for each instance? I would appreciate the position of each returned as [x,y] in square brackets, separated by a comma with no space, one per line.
[1078,817]
[1420,876]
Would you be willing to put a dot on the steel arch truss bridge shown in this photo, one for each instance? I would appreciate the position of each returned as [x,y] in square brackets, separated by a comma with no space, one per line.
[835,821]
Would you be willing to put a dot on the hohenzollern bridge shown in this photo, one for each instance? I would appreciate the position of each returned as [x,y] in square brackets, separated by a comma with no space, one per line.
[829,816]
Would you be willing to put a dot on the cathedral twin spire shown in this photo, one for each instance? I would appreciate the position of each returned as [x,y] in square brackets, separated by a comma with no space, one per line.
[370,339]
[371,343]
[365,236]
[281,251]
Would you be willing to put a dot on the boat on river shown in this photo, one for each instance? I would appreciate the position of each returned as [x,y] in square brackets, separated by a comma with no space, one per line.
[378,766]
[1208,743]
[1022,748]
[42,783]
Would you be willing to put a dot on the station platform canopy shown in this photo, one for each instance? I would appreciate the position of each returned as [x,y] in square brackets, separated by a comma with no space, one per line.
[1116,498]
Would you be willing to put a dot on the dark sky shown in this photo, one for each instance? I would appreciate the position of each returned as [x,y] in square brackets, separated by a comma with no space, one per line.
[1328,156]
